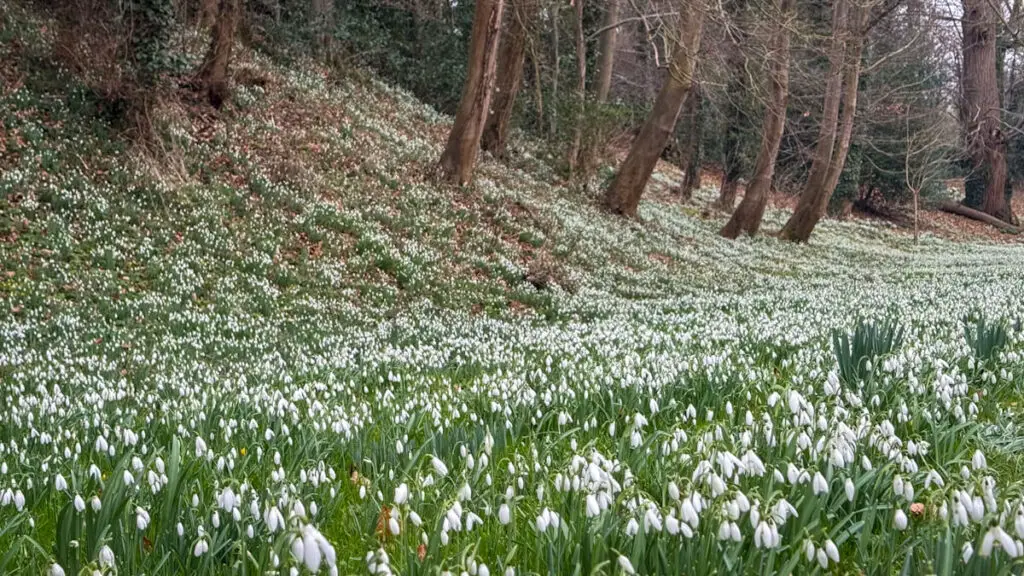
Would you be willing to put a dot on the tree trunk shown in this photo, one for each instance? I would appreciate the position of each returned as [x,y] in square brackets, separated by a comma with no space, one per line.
[511,59]
[538,88]
[555,69]
[207,13]
[727,192]
[960,209]
[851,82]
[987,187]
[732,162]
[736,91]
[321,17]
[747,217]
[459,157]
[581,92]
[214,72]
[624,194]
[606,58]
[811,203]
[693,124]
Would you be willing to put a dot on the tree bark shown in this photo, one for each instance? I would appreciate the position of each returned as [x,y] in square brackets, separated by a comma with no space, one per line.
[538,89]
[321,17]
[811,203]
[693,127]
[727,192]
[214,72]
[987,186]
[693,153]
[736,90]
[459,157]
[606,58]
[961,210]
[623,196]
[555,69]
[511,59]
[851,83]
[747,217]
[732,163]
[581,92]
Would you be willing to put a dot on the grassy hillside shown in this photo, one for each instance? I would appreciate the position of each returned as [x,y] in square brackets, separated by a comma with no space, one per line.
[274,313]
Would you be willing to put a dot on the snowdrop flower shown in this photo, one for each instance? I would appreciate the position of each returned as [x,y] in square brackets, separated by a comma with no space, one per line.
[996,534]
[59,483]
[672,525]
[819,484]
[141,518]
[79,503]
[393,526]
[831,550]
[313,549]
[401,494]
[900,520]
[56,570]
[274,519]
[724,531]
[632,527]
[106,557]
[624,563]
[966,552]
[593,509]
[809,550]
[95,503]
[849,488]
[542,522]
[504,514]
[978,462]
[439,467]
[201,547]
[200,447]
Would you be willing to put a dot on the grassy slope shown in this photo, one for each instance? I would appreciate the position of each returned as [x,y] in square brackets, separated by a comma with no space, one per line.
[297,238]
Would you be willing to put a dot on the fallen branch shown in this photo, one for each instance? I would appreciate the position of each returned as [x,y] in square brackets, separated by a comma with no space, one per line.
[961,210]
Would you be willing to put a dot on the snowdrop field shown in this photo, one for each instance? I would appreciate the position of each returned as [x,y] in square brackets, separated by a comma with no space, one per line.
[328,364]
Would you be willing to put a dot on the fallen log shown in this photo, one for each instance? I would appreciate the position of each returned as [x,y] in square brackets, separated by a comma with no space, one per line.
[961,210]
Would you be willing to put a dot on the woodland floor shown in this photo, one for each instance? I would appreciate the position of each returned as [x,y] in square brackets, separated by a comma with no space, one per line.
[271,341]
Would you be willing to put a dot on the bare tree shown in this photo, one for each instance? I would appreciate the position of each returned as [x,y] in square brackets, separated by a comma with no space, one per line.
[736,40]
[813,201]
[581,91]
[693,132]
[623,196]
[987,187]
[748,215]
[214,71]
[459,157]
[511,59]
[606,52]
[925,161]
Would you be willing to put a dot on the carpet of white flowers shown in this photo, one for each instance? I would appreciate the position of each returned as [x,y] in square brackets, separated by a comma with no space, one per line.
[297,355]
